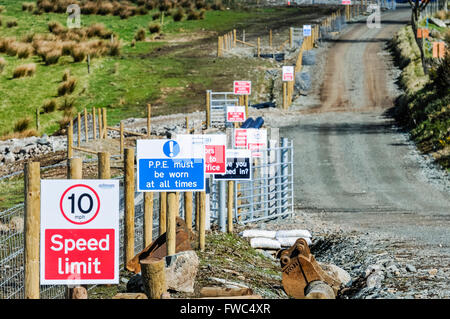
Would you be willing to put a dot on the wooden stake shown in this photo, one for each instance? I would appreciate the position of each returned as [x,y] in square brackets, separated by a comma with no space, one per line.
[284,95]
[32,228]
[270,37]
[259,47]
[129,204]
[148,218]
[70,140]
[246,106]
[230,201]
[208,114]
[197,211]
[234,38]
[162,213]
[79,129]
[219,46]
[291,37]
[202,221]
[172,211]
[149,118]
[37,119]
[100,124]
[105,124]
[122,137]
[153,277]
[104,166]
[188,209]
[94,124]
[86,127]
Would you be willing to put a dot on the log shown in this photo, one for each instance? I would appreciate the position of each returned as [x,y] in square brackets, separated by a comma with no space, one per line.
[319,290]
[130,295]
[79,293]
[154,277]
[224,292]
[235,297]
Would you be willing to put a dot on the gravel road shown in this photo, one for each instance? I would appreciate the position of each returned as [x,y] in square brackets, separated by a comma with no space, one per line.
[357,169]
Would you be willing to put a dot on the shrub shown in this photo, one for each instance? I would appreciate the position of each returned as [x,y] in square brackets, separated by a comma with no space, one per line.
[22,124]
[105,8]
[193,15]
[154,28]
[67,87]
[178,15]
[66,75]
[79,53]
[156,16]
[24,50]
[49,106]
[218,6]
[24,70]
[114,48]
[28,6]
[6,43]
[11,23]
[55,27]
[52,56]
[140,35]
[2,64]
[98,30]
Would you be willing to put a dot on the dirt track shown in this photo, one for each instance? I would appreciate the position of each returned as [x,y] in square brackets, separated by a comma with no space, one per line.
[354,166]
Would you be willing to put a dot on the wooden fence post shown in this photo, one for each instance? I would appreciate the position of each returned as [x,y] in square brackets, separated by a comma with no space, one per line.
[104,165]
[259,47]
[149,119]
[37,119]
[234,38]
[100,124]
[94,124]
[129,204]
[172,211]
[148,218]
[202,221]
[86,127]
[188,209]
[32,220]
[75,171]
[70,140]
[105,124]
[197,211]
[162,213]
[79,129]
[270,37]
[230,206]
[219,46]
[154,277]
[246,106]
[208,114]
[121,140]
[284,96]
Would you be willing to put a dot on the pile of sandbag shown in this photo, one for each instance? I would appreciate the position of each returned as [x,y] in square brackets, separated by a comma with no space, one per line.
[275,239]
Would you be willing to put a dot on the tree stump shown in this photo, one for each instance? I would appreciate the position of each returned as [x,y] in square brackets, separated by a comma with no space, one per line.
[154,277]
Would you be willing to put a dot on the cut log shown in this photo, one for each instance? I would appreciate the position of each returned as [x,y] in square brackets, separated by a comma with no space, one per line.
[224,292]
[154,277]
[319,290]
[130,295]
[79,293]
[235,297]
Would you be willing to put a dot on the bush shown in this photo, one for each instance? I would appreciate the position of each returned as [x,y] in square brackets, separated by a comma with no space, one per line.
[22,124]
[193,15]
[52,56]
[67,87]
[156,16]
[154,28]
[140,35]
[24,70]
[2,64]
[49,106]
[55,27]
[178,15]
[114,48]
[28,6]
[66,75]
[11,23]
[79,53]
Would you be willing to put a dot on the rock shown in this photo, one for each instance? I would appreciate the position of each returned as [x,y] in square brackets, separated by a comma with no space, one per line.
[181,270]
[373,269]
[410,268]
[9,158]
[16,223]
[336,273]
[309,58]
[433,272]
[43,140]
[438,22]
[265,243]
[375,280]
[135,284]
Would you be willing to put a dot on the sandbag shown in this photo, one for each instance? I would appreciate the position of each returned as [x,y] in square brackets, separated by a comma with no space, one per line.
[289,241]
[293,233]
[265,243]
[309,58]
[258,233]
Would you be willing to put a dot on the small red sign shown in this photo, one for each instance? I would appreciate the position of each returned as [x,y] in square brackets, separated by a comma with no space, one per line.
[215,159]
[242,87]
[236,113]
[79,254]
[240,138]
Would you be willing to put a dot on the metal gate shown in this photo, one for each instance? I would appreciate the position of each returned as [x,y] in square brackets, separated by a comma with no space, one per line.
[218,102]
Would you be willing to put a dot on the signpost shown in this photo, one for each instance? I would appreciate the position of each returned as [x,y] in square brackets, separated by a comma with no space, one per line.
[240,138]
[236,114]
[238,166]
[307,30]
[170,166]
[288,73]
[242,87]
[79,232]
[256,141]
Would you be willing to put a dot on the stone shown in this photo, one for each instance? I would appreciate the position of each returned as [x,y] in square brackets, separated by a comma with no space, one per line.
[181,270]
[135,284]
[433,272]
[373,269]
[410,268]
[375,280]
[336,273]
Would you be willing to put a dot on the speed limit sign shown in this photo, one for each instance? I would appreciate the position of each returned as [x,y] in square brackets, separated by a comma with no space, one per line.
[79,232]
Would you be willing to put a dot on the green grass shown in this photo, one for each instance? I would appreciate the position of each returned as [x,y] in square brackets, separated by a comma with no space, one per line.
[123,84]
[11,192]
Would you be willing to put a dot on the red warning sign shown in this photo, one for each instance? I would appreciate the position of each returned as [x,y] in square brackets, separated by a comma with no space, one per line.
[242,87]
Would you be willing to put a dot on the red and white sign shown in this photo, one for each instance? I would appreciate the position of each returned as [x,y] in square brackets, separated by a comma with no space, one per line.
[242,87]
[240,138]
[79,232]
[347,2]
[288,73]
[215,145]
[236,114]
[257,140]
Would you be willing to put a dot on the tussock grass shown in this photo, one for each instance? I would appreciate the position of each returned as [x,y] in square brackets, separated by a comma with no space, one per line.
[67,87]
[154,28]
[24,70]
[22,124]
[11,23]
[49,106]
[140,35]
[2,64]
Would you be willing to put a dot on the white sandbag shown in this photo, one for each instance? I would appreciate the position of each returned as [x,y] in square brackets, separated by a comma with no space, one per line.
[293,233]
[289,241]
[265,243]
[259,233]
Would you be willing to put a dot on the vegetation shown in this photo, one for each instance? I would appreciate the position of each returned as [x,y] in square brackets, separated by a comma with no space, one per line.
[425,107]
